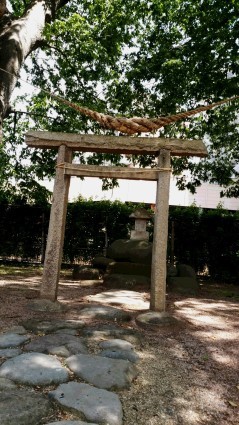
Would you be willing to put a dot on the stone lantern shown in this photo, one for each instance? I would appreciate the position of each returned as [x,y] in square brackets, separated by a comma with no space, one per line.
[141,217]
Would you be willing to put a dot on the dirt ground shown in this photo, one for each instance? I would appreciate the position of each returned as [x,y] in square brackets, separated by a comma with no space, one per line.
[188,373]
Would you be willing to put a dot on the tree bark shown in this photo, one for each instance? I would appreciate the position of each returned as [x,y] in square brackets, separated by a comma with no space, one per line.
[18,38]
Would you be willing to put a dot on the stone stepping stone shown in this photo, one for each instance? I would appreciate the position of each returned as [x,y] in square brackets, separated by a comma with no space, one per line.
[120,344]
[121,354]
[131,299]
[48,326]
[21,407]
[155,320]
[67,331]
[71,423]
[110,331]
[9,340]
[49,343]
[104,313]
[119,349]
[102,372]
[34,369]
[20,330]
[94,404]
[6,384]
[10,352]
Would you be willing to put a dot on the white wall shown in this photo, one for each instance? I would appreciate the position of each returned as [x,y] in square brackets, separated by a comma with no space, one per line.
[207,195]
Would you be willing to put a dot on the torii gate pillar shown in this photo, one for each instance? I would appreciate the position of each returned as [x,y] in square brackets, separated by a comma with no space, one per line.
[56,232]
[159,254]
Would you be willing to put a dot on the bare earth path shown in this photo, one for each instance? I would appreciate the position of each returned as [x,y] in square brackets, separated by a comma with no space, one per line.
[188,374]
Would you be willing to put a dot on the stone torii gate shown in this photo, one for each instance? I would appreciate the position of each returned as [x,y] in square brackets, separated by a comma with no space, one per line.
[66,143]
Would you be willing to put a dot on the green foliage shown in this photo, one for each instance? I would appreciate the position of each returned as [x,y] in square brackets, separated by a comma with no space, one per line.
[146,58]
[23,230]
[93,225]
[207,239]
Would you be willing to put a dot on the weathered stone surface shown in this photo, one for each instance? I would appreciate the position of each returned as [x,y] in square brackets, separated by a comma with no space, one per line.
[102,262]
[46,305]
[155,320]
[70,423]
[22,407]
[104,312]
[124,267]
[110,331]
[34,369]
[60,351]
[131,250]
[67,331]
[48,326]
[9,340]
[6,384]
[184,285]
[171,270]
[130,299]
[118,349]
[185,270]
[85,273]
[10,352]
[128,281]
[131,356]
[101,371]
[97,405]
[119,344]
[20,330]
[46,343]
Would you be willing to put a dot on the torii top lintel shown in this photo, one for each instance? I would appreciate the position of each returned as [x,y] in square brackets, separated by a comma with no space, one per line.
[115,144]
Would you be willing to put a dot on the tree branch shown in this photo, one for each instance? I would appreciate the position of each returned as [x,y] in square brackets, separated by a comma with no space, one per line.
[17,39]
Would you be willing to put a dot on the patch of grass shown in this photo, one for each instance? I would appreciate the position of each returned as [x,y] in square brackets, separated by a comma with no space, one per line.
[20,271]
[28,271]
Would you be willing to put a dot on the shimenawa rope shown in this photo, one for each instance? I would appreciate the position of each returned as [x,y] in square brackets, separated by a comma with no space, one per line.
[131,125]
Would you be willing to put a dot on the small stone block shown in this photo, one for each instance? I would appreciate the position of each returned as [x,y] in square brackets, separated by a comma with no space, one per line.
[155,320]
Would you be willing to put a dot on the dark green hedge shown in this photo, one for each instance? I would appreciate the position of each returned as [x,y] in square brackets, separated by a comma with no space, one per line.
[206,239]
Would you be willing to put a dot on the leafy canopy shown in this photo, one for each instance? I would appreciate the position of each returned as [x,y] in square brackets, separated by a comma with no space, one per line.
[146,58]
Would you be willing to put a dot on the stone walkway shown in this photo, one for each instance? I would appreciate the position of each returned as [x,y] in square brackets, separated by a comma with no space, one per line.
[68,365]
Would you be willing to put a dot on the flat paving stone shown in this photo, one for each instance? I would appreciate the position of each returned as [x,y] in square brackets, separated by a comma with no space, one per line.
[9,340]
[20,330]
[110,331]
[23,407]
[131,299]
[46,343]
[103,372]
[6,384]
[34,369]
[67,331]
[60,351]
[71,423]
[104,312]
[121,344]
[121,354]
[155,320]
[94,404]
[48,326]
[10,352]
[118,349]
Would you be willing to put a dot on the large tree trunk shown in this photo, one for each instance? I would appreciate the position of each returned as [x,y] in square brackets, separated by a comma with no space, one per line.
[18,38]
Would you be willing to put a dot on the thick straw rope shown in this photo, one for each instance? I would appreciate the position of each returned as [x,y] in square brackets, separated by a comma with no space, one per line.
[130,125]
[137,124]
